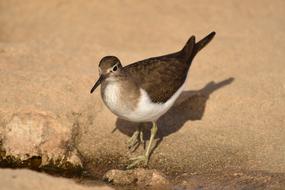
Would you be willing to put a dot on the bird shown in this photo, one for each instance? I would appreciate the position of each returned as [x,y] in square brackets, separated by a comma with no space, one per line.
[143,91]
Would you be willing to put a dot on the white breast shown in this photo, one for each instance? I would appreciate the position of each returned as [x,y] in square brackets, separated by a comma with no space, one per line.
[145,111]
[115,102]
[111,97]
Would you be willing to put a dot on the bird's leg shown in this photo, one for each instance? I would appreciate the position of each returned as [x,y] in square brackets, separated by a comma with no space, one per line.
[144,158]
[136,138]
[141,128]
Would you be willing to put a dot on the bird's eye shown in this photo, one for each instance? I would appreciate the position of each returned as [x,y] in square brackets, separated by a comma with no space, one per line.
[115,68]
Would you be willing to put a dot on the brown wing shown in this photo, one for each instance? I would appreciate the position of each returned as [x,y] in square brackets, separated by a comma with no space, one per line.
[160,77]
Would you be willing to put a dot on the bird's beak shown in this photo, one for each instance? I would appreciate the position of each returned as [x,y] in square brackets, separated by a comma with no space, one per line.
[98,82]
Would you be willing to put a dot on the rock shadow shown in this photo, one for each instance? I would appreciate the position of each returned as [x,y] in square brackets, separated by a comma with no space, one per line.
[189,106]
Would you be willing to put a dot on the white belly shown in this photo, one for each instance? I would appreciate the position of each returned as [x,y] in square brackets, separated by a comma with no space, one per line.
[149,111]
[145,111]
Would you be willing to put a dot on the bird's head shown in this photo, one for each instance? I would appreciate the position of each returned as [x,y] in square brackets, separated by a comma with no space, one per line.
[109,67]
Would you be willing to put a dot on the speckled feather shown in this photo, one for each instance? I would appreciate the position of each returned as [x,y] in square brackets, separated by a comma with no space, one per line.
[162,76]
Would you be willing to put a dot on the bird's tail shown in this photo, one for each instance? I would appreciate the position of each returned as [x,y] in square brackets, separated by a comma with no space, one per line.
[191,48]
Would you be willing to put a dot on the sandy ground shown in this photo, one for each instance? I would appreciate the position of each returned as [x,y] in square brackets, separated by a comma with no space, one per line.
[27,180]
[231,116]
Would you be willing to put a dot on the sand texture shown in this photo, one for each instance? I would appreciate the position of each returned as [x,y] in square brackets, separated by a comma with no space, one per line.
[230,118]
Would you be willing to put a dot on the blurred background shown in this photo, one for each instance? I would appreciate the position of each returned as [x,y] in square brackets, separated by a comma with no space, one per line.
[229,121]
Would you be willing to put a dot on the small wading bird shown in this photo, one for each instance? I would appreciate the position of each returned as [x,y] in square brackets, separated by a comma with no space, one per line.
[145,90]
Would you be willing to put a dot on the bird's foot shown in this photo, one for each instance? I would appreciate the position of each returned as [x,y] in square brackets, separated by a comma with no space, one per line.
[137,138]
[138,160]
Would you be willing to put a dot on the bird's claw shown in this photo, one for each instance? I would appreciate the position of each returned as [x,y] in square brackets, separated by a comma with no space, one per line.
[133,140]
[138,160]
[137,138]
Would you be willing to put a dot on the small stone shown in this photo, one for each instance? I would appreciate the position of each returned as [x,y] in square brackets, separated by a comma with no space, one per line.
[158,179]
[119,177]
[141,177]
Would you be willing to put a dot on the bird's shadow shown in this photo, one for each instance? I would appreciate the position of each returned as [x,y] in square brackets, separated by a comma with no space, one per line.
[189,106]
